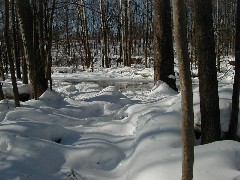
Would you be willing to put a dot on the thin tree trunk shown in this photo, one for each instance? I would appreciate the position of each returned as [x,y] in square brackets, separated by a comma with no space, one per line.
[104,33]
[233,126]
[49,45]
[84,35]
[126,33]
[1,92]
[24,61]
[41,33]
[1,66]
[11,61]
[122,53]
[180,34]
[15,42]
[129,38]
[146,35]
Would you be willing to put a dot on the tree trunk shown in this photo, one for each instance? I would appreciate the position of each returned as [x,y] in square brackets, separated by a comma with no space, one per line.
[49,45]
[104,33]
[1,92]
[24,61]
[41,34]
[233,126]
[163,44]
[1,66]
[146,34]
[15,42]
[9,52]
[2,78]
[35,67]
[209,100]
[129,37]
[180,34]
[84,34]
[122,53]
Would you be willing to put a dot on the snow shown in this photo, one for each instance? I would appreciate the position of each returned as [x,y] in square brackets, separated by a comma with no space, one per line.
[110,124]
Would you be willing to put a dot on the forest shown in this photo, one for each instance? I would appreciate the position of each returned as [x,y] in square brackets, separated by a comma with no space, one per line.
[105,82]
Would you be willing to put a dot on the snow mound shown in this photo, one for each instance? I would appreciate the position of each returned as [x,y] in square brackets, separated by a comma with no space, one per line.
[161,88]
[48,98]
[110,94]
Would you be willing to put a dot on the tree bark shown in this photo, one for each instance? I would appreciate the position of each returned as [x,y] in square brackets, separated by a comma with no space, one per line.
[146,34]
[1,66]
[129,36]
[9,52]
[49,45]
[163,44]
[104,33]
[28,30]
[233,126]
[1,92]
[15,41]
[180,34]
[208,84]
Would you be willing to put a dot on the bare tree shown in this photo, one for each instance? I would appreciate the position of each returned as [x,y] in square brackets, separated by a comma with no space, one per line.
[232,132]
[207,72]
[164,58]
[49,44]
[9,53]
[15,40]
[84,35]
[146,34]
[29,34]
[1,65]
[104,33]
[180,34]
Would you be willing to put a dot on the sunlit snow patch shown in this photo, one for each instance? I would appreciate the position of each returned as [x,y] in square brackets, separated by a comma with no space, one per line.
[162,89]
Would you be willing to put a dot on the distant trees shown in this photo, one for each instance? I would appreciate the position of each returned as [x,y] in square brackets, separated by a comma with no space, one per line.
[81,29]
[163,44]
[224,27]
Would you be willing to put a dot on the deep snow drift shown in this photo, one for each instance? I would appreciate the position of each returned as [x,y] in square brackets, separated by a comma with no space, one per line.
[111,124]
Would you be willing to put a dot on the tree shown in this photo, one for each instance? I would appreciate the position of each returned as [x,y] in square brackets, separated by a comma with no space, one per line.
[9,54]
[30,38]
[104,33]
[146,34]
[232,132]
[180,34]
[2,78]
[207,72]
[224,25]
[1,92]
[84,33]
[48,63]
[163,44]
[15,41]
[1,66]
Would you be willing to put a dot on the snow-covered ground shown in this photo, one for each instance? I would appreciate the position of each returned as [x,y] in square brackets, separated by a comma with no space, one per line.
[110,124]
